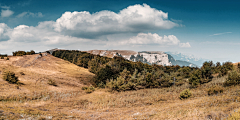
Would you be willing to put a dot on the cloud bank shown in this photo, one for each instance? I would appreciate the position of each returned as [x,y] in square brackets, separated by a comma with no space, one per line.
[74,28]
[153,39]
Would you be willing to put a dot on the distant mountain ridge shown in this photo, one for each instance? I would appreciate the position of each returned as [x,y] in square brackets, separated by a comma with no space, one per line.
[180,62]
[188,58]
[149,57]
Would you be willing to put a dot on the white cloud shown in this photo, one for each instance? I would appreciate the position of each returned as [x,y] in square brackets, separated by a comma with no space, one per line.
[39,34]
[5,7]
[186,45]
[6,13]
[134,19]
[3,32]
[152,39]
[27,14]
[143,38]
[220,33]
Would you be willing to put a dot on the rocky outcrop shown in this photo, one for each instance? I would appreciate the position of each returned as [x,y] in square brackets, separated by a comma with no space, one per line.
[149,57]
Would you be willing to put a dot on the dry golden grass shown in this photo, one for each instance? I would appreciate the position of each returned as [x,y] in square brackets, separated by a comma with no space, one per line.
[35,99]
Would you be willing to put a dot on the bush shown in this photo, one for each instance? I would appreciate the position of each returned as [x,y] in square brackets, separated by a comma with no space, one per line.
[10,77]
[233,78]
[52,82]
[22,73]
[195,78]
[215,90]
[101,85]
[7,58]
[2,57]
[185,94]
[88,89]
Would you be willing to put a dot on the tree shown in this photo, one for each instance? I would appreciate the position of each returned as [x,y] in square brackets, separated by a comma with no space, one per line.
[10,77]
[103,75]
[195,78]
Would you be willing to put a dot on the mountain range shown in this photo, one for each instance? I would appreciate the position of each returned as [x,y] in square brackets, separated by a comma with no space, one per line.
[187,58]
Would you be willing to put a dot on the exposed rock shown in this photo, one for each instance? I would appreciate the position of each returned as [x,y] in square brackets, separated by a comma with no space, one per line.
[149,57]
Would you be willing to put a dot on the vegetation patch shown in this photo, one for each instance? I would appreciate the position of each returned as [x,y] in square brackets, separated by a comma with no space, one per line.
[233,78]
[21,53]
[89,89]
[10,77]
[215,90]
[185,94]
[52,82]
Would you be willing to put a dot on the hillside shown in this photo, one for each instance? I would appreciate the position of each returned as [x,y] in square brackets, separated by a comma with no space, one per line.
[34,72]
[36,99]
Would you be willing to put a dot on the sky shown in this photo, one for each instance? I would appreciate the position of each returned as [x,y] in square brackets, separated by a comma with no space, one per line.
[208,29]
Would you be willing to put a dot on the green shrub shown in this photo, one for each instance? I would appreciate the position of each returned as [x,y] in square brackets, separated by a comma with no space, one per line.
[215,90]
[101,85]
[195,78]
[10,77]
[7,58]
[89,89]
[233,78]
[52,82]
[2,57]
[185,94]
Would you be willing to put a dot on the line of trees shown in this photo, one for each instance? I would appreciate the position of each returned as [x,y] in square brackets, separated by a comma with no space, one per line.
[21,53]
[3,55]
[120,74]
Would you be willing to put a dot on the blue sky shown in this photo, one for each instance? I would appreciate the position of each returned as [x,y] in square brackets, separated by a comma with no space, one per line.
[204,28]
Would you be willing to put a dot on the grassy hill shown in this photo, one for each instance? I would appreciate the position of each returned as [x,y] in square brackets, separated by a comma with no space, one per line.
[36,99]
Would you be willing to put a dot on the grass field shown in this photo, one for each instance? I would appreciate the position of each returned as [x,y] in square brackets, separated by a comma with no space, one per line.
[36,99]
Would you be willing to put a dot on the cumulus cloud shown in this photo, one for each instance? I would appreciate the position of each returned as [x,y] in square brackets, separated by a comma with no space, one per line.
[186,45]
[27,14]
[39,34]
[6,13]
[153,39]
[134,19]
[3,32]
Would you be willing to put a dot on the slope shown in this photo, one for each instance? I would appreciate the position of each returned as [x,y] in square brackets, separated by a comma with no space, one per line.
[35,99]
[35,71]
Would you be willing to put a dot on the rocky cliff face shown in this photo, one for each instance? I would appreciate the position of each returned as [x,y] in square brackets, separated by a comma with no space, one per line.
[149,57]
